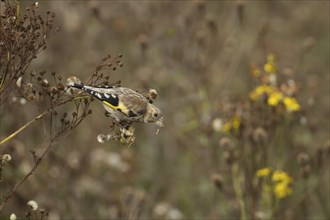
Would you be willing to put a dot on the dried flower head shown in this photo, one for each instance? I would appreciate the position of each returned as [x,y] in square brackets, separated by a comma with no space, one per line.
[303,158]
[226,143]
[305,170]
[33,205]
[13,216]
[217,180]
[70,90]
[260,135]
[102,138]
[153,93]
[143,41]
[217,125]
[19,82]
[6,157]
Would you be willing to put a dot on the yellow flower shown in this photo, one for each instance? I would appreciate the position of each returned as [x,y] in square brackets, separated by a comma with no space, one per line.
[227,127]
[291,104]
[233,124]
[263,172]
[274,98]
[260,90]
[255,71]
[270,66]
[253,96]
[236,122]
[281,176]
[282,190]
[282,181]
[264,89]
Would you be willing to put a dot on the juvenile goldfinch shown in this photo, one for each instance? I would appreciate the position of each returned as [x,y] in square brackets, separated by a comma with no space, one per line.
[123,104]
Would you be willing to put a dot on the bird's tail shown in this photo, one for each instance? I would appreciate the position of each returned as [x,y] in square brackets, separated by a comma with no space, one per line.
[75,85]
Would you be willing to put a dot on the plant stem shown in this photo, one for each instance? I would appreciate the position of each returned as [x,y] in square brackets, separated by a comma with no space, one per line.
[238,190]
[24,126]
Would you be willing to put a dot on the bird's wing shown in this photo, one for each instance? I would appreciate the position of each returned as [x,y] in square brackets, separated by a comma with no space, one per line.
[129,104]
[124,100]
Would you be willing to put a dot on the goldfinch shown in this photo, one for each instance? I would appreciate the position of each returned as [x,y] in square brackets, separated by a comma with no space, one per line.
[123,104]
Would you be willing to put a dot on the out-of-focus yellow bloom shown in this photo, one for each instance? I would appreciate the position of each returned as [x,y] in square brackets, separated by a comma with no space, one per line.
[274,98]
[259,91]
[263,172]
[253,95]
[270,66]
[291,104]
[264,89]
[255,71]
[232,125]
[282,190]
[236,122]
[281,176]
[281,182]
[227,127]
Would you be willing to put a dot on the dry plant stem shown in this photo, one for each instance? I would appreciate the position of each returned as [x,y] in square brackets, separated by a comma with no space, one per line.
[10,194]
[238,190]
[37,159]
[31,122]
[24,127]
[17,9]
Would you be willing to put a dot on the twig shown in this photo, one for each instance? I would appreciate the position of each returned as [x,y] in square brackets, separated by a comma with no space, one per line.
[10,194]
[24,126]
[31,122]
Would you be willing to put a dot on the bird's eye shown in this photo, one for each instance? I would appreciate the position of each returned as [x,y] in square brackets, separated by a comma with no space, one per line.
[155,114]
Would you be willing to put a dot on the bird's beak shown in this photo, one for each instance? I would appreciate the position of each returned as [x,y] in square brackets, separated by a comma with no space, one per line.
[160,123]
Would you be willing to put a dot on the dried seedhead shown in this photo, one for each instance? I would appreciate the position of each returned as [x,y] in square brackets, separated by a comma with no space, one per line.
[217,180]
[22,38]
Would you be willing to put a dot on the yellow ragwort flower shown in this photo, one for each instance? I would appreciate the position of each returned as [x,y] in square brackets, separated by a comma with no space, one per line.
[263,172]
[282,182]
[291,104]
[253,96]
[270,66]
[236,122]
[233,124]
[259,91]
[255,71]
[282,190]
[281,176]
[274,98]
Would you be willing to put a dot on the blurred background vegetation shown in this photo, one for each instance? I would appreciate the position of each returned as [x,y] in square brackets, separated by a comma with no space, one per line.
[222,154]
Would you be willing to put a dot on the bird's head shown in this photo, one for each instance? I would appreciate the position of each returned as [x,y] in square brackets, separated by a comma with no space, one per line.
[153,115]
